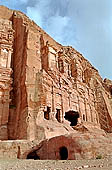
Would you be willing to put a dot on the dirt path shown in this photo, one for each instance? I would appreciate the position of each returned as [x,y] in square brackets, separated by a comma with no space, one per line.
[100,164]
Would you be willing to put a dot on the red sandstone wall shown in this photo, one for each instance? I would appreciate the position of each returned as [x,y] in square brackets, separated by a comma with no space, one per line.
[18,116]
[39,83]
[33,82]
[7,14]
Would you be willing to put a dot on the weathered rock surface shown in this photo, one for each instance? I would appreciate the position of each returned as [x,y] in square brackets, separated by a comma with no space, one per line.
[48,90]
[78,145]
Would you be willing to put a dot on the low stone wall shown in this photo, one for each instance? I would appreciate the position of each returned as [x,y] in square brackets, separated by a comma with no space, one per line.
[15,148]
[74,146]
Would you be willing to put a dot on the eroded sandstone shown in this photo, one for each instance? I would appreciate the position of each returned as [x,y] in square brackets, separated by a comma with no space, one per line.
[46,89]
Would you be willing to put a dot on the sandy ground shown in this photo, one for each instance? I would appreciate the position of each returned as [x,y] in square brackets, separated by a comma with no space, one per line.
[100,164]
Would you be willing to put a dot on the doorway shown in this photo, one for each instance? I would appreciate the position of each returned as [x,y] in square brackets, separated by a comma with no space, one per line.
[58,116]
[46,113]
[63,153]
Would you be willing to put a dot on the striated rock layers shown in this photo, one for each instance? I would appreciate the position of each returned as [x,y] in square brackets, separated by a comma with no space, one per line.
[46,89]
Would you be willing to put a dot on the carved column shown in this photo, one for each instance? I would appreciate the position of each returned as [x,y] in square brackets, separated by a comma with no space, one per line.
[6,43]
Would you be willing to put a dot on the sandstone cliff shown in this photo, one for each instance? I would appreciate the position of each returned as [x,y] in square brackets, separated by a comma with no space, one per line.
[46,89]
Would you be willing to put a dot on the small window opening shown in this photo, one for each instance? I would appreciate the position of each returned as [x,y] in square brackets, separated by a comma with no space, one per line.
[56,63]
[58,115]
[61,66]
[72,116]
[63,153]
[84,117]
[33,155]
[46,113]
[69,71]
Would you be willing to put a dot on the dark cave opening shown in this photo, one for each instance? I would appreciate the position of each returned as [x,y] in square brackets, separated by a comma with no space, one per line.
[63,153]
[72,116]
[33,155]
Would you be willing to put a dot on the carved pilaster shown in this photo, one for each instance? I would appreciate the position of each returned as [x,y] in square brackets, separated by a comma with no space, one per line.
[6,45]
